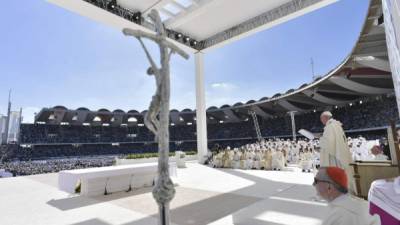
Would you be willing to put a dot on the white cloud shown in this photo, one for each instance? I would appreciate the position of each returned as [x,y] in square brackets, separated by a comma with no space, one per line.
[223,86]
[28,114]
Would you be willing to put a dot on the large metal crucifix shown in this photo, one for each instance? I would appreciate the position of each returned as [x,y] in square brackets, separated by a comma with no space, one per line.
[157,117]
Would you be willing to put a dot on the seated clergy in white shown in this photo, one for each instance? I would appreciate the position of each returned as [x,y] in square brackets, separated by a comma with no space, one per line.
[315,158]
[331,185]
[291,155]
[266,161]
[243,160]
[217,160]
[257,160]
[278,160]
[226,161]
[306,161]
[236,159]
[377,153]
[360,152]
[249,158]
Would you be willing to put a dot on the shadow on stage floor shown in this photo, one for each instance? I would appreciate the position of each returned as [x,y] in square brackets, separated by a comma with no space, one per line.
[275,203]
[92,222]
[79,201]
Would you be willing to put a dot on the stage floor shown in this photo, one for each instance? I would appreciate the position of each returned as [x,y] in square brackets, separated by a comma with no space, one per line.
[203,196]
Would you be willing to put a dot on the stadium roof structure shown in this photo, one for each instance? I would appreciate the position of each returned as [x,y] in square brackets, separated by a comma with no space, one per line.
[364,73]
[195,24]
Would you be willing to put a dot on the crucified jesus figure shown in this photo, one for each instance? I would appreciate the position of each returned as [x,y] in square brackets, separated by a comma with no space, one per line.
[157,117]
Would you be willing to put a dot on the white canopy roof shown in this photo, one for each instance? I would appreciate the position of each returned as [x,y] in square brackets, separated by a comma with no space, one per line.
[211,23]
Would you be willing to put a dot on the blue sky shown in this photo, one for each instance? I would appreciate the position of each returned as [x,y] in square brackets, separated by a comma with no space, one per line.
[50,56]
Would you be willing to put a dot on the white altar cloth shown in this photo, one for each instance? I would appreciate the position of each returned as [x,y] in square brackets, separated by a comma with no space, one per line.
[108,176]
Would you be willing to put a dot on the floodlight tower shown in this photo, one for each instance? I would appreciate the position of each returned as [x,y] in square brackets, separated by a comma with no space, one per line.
[256,125]
[293,124]
[312,69]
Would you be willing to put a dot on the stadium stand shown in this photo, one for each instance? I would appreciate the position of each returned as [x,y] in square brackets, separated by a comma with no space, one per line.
[40,141]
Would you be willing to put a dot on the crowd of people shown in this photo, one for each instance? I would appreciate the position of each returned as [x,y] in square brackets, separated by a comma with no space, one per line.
[43,142]
[272,154]
[34,152]
[46,141]
[361,115]
[268,155]
[365,150]
[21,168]
[276,154]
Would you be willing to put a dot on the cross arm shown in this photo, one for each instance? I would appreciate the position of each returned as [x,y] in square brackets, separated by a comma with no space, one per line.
[158,39]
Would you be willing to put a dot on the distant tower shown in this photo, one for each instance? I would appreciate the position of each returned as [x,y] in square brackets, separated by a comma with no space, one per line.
[19,126]
[312,69]
[5,134]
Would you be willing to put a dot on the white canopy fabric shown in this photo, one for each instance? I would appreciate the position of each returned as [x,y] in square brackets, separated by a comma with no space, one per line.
[212,23]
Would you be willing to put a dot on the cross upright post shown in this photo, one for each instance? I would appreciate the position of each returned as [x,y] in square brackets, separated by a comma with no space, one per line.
[157,117]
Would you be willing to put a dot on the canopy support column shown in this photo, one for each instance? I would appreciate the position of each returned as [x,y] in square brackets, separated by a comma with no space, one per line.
[201,116]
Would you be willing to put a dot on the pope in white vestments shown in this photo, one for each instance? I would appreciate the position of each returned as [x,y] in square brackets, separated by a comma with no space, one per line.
[334,148]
